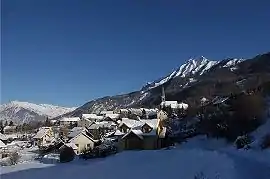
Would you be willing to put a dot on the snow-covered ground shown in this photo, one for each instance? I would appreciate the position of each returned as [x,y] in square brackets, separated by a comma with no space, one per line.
[186,162]
[198,158]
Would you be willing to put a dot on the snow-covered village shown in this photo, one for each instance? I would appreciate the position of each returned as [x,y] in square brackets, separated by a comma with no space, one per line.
[135,89]
[148,140]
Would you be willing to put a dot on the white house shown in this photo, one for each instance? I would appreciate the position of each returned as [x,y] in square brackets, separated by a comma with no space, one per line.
[69,120]
[44,136]
[82,141]
[9,129]
[92,117]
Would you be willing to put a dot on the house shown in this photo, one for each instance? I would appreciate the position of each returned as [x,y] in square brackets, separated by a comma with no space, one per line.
[10,129]
[140,135]
[92,117]
[85,122]
[2,145]
[67,121]
[111,117]
[44,136]
[75,131]
[99,129]
[174,105]
[103,113]
[126,124]
[3,138]
[83,141]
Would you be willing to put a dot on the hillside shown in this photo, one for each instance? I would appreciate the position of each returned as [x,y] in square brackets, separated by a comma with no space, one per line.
[190,82]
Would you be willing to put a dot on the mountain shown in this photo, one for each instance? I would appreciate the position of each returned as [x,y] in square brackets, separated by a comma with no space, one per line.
[194,67]
[194,79]
[20,112]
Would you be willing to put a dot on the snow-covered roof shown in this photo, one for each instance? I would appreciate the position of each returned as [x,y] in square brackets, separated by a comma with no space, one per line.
[139,133]
[75,131]
[3,137]
[152,133]
[10,127]
[118,132]
[102,124]
[123,110]
[2,145]
[182,105]
[92,116]
[84,133]
[41,133]
[174,104]
[72,145]
[70,119]
[112,116]
[151,122]
[106,112]
[131,123]
[77,128]
[219,100]
[203,100]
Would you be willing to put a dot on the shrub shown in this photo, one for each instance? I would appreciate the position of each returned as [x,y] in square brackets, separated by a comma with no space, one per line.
[266,142]
[66,154]
[242,141]
[14,158]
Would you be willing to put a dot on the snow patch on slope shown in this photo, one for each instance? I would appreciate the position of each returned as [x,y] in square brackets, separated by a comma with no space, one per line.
[191,67]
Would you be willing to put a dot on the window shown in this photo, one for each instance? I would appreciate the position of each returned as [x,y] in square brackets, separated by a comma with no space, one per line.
[77,145]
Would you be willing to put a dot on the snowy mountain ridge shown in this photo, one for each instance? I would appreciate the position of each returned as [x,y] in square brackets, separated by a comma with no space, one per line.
[192,67]
[18,111]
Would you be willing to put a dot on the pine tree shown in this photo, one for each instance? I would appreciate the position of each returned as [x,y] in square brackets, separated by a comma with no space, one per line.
[6,124]
[11,123]
[1,127]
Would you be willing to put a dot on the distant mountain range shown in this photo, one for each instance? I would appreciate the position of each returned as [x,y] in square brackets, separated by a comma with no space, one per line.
[196,78]
[20,112]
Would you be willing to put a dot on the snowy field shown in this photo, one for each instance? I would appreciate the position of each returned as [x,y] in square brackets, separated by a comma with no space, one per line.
[199,158]
[175,163]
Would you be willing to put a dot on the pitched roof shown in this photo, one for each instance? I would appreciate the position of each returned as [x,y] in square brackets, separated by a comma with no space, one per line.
[3,137]
[174,104]
[75,131]
[92,116]
[84,133]
[70,119]
[138,133]
[131,123]
[112,116]
[152,133]
[106,112]
[2,144]
[10,127]
[72,145]
[118,133]
[151,122]
[41,133]
[76,128]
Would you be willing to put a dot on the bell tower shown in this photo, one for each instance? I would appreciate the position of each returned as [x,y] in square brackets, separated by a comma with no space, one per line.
[163,99]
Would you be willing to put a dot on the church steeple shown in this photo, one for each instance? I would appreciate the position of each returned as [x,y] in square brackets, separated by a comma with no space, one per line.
[163,95]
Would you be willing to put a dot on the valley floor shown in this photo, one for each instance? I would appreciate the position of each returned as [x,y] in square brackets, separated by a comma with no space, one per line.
[180,162]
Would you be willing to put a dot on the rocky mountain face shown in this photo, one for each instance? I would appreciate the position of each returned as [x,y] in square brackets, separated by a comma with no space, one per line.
[193,80]
[24,112]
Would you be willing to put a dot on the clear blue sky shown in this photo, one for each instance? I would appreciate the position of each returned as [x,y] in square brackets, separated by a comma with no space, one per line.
[67,52]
